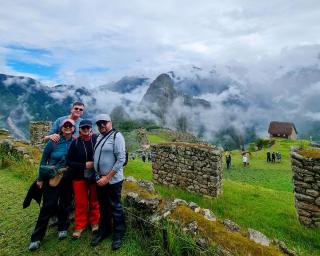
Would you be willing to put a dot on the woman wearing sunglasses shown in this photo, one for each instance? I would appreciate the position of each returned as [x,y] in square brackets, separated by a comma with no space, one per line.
[80,160]
[56,199]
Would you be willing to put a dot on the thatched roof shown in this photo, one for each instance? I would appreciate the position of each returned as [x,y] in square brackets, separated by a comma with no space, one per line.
[281,128]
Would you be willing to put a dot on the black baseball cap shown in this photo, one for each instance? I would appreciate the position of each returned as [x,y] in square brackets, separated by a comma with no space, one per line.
[85,122]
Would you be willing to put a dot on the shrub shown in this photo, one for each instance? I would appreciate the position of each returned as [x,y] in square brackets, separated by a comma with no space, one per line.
[264,143]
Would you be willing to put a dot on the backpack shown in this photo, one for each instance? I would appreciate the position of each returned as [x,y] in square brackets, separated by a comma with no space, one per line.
[114,137]
[127,154]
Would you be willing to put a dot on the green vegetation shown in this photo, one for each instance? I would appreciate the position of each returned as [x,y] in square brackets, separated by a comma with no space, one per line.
[130,125]
[259,196]
[159,137]
[17,224]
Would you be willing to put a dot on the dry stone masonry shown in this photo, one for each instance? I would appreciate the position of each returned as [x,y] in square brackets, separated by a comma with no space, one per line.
[306,181]
[196,167]
[147,211]
[39,129]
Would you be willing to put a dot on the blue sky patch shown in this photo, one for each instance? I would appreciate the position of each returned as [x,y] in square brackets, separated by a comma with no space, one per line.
[49,72]
[35,52]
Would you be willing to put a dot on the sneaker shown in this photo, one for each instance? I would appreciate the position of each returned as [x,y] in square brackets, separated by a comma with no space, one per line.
[34,245]
[62,234]
[116,244]
[77,234]
[94,228]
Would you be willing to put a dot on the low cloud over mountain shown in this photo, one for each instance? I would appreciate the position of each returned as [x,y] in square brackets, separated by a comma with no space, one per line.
[222,103]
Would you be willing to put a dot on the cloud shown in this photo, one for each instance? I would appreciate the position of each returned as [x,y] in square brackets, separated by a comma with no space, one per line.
[150,37]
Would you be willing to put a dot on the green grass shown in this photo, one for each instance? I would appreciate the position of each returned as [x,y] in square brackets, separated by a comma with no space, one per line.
[259,196]
[17,225]
[138,169]
[159,137]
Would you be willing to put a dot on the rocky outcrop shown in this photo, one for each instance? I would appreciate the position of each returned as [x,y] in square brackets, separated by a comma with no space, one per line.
[38,130]
[306,182]
[196,167]
[161,94]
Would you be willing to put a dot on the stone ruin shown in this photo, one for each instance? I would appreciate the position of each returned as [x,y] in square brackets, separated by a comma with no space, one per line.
[38,130]
[148,212]
[196,167]
[306,182]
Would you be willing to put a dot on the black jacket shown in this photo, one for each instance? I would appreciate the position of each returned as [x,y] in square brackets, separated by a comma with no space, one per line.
[35,193]
[79,153]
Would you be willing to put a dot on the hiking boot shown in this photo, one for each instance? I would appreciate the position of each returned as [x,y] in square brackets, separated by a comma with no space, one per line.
[96,239]
[34,245]
[62,234]
[117,241]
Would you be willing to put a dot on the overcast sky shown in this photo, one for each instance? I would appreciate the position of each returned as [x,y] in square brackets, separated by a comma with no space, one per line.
[93,42]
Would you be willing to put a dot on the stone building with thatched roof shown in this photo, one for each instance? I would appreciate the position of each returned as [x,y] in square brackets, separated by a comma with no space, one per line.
[282,130]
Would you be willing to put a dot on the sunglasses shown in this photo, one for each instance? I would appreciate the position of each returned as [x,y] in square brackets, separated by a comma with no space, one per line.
[67,126]
[100,123]
[85,127]
[80,109]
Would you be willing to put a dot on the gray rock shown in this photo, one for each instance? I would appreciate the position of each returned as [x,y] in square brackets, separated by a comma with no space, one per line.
[191,228]
[193,206]
[147,185]
[131,179]
[282,246]
[258,237]
[207,214]
[231,226]
[176,202]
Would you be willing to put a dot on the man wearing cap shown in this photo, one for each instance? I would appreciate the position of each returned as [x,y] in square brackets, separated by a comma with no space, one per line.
[76,112]
[109,157]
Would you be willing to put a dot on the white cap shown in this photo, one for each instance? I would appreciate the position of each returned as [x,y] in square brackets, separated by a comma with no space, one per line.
[103,117]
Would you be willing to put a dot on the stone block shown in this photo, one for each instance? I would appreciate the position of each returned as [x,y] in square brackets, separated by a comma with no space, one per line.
[312,192]
[304,198]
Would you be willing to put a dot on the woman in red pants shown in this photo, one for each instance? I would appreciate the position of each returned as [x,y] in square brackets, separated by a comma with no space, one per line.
[80,160]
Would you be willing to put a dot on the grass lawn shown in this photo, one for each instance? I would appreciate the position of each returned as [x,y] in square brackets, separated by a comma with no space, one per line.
[16,226]
[259,196]
[158,138]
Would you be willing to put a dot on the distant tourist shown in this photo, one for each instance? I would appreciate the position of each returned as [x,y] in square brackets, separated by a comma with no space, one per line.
[278,155]
[228,161]
[56,198]
[273,157]
[143,157]
[149,156]
[268,157]
[76,112]
[245,159]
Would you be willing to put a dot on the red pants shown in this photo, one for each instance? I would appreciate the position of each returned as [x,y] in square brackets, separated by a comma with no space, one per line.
[85,196]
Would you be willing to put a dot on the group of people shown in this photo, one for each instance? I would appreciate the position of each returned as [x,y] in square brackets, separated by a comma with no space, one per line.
[143,157]
[271,157]
[89,170]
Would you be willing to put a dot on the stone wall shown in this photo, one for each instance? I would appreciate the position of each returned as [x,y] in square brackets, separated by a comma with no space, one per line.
[196,167]
[38,130]
[306,181]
